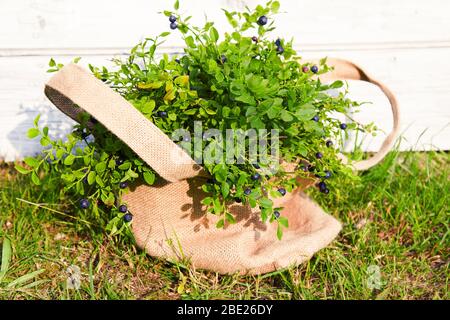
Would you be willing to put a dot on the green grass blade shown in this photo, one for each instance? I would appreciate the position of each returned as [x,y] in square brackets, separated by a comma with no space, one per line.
[24,278]
[35,284]
[6,257]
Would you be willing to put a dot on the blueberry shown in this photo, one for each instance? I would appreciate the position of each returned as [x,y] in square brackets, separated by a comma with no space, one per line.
[327,174]
[247,191]
[187,139]
[238,200]
[314,69]
[322,186]
[223,58]
[305,69]
[123,185]
[329,143]
[128,217]
[282,191]
[280,50]
[319,155]
[119,162]
[256,176]
[84,203]
[315,118]
[262,20]
[173,25]
[256,166]
[162,114]
[276,214]
[172,18]
[278,43]
[85,180]
[123,208]
[255,39]
[177,61]
[326,191]
[343,126]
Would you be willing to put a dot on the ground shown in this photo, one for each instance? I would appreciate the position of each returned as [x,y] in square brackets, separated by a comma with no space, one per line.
[394,245]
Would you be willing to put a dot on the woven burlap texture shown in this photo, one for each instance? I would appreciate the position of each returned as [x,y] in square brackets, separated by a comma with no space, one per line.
[168,218]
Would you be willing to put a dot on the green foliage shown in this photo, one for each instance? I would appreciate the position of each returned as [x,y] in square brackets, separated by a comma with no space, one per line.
[225,81]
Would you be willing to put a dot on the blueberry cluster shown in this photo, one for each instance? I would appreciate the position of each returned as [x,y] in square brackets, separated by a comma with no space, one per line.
[127,217]
[280,48]
[84,204]
[173,22]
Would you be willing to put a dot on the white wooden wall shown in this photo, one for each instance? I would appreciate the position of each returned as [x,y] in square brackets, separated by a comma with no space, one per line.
[404,43]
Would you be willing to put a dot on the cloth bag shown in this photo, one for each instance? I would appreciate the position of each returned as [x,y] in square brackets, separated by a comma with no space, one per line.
[169,220]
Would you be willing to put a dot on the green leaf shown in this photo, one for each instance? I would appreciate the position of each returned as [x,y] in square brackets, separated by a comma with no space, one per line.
[275,6]
[36,120]
[68,161]
[32,162]
[221,173]
[52,63]
[265,203]
[149,177]
[6,258]
[225,189]
[190,42]
[283,221]
[230,218]
[99,181]
[33,133]
[337,84]
[207,201]
[286,116]
[45,141]
[305,112]
[176,5]
[213,34]
[21,169]
[246,98]
[220,223]
[132,174]
[91,177]
[257,123]
[100,167]
[148,107]
[279,232]
[125,166]
[35,178]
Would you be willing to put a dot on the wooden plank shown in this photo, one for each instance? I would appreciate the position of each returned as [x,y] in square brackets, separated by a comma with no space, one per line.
[119,24]
[422,90]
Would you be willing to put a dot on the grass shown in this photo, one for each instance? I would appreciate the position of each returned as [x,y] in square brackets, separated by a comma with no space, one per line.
[396,220]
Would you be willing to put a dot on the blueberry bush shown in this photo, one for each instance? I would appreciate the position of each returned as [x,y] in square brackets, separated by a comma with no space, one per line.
[243,79]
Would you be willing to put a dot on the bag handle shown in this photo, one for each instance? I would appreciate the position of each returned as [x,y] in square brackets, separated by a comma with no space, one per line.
[346,70]
[73,90]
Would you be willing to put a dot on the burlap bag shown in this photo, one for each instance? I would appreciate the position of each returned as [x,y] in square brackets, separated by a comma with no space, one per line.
[169,220]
